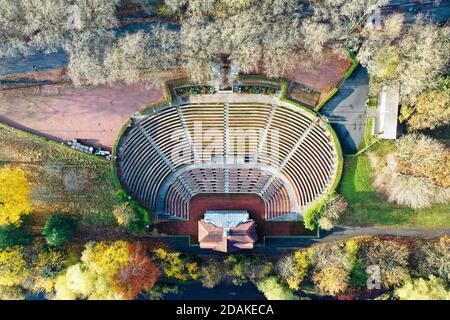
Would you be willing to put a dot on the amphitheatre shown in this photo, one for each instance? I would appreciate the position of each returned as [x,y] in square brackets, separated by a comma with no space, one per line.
[203,147]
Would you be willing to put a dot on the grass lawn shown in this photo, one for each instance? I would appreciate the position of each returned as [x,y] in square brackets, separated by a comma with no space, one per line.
[368,208]
[373,100]
[63,180]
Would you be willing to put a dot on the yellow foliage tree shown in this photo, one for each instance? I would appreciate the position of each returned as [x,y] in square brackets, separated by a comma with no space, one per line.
[174,265]
[14,195]
[13,267]
[92,278]
[48,265]
[331,280]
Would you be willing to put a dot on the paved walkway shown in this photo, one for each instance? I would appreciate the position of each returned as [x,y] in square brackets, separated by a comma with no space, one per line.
[347,110]
[94,114]
[342,232]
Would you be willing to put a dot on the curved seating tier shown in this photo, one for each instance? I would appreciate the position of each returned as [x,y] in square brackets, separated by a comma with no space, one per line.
[292,142]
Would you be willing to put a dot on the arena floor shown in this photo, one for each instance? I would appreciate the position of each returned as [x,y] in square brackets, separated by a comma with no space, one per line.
[252,203]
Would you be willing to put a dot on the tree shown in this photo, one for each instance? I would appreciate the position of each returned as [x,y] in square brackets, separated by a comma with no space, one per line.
[247,268]
[392,259]
[416,173]
[333,210]
[273,290]
[413,55]
[421,289]
[434,259]
[58,229]
[13,267]
[85,59]
[174,265]
[431,110]
[11,236]
[331,280]
[250,33]
[140,273]
[124,214]
[332,267]
[14,195]
[422,156]
[47,266]
[343,16]
[92,277]
[212,273]
[12,293]
[293,269]
[31,25]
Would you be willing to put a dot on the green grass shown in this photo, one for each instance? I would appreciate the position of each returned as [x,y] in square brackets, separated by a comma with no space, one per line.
[352,68]
[373,101]
[368,137]
[368,208]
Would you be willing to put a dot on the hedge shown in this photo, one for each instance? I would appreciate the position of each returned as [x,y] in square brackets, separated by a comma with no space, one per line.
[340,163]
[352,68]
[314,213]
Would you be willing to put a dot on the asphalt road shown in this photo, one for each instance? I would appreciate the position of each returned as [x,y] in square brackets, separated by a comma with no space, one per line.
[347,111]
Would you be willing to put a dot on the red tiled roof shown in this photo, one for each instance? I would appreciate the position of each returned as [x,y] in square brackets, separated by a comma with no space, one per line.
[213,237]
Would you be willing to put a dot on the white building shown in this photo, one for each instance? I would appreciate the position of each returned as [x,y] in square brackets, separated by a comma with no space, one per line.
[386,124]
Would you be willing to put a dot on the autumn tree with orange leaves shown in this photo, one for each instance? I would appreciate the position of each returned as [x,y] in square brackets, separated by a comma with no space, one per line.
[138,274]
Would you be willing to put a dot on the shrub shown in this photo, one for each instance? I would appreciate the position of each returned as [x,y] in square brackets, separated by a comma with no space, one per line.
[121,196]
[421,289]
[141,219]
[130,213]
[434,259]
[11,236]
[273,290]
[258,89]
[58,229]
[314,213]
[192,90]
[358,275]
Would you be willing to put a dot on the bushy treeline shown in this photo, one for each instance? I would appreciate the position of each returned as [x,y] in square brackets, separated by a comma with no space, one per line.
[267,37]
[399,268]
[416,173]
